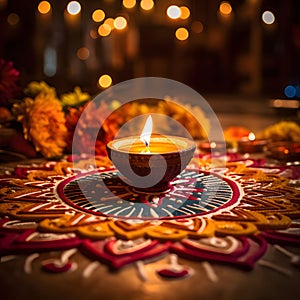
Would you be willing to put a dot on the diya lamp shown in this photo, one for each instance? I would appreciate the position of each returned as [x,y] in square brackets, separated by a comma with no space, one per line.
[207,146]
[150,161]
[284,150]
[250,144]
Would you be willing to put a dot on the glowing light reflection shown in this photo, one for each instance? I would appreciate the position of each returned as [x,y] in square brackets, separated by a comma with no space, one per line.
[120,23]
[73,8]
[173,12]
[98,15]
[105,81]
[44,7]
[129,3]
[182,34]
[290,91]
[147,4]
[225,8]
[268,17]
[184,12]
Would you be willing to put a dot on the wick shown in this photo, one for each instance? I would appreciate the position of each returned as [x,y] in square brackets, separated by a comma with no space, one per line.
[146,143]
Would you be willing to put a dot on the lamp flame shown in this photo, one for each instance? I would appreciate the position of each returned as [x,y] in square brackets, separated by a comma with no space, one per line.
[251,136]
[146,133]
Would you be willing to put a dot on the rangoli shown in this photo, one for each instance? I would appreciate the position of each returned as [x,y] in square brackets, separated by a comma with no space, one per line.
[44,208]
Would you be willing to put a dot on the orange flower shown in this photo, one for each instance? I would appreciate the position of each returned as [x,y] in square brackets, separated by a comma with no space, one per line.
[43,123]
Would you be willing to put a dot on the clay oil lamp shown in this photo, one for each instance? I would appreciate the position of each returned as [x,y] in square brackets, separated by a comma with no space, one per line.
[150,161]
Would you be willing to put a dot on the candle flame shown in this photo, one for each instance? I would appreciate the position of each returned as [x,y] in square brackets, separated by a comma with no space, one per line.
[251,136]
[146,133]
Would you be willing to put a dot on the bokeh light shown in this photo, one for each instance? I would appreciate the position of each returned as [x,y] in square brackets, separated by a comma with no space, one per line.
[225,8]
[98,15]
[73,8]
[120,23]
[290,91]
[268,17]
[105,81]
[93,34]
[44,7]
[13,19]
[110,22]
[182,34]
[147,4]
[173,12]
[184,12]
[129,3]
[197,27]
[83,53]
[104,30]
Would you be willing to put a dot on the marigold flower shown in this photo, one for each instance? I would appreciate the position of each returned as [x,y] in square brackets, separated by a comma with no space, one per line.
[34,88]
[43,123]
[281,131]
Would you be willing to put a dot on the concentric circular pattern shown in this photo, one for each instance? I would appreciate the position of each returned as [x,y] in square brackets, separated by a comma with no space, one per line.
[190,194]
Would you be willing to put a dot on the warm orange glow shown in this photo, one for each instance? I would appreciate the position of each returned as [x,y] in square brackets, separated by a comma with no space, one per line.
[110,23]
[105,81]
[74,8]
[120,23]
[225,8]
[185,12]
[104,30]
[44,7]
[147,4]
[13,19]
[197,26]
[173,12]
[83,53]
[3,3]
[129,3]
[182,34]
[251,136]
[98,15]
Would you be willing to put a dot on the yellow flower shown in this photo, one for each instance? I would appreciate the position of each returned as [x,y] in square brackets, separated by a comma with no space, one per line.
[34,88]
[77,97]
[43,123]
[283,130]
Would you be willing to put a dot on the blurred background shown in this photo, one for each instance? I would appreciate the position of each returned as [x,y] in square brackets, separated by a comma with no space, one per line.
[249,48]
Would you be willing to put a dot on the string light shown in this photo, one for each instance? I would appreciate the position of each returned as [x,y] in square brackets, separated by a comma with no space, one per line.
[225,8]
[105,81]
[129,3]
[182,34]
[110,22]
[147,4]
[98,15]
[73,8]
[268,17]
[44,7]
[173,12]
[184,12]
[104,30]
[120,23]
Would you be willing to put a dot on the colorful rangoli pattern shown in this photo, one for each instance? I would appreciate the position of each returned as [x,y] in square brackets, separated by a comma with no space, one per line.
[226,217]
